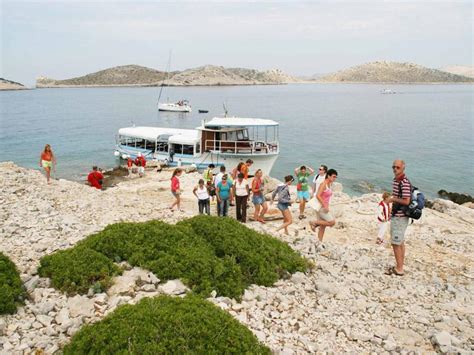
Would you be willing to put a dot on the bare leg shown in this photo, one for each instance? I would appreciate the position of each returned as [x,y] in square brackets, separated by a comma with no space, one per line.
[302,206]
[48,174]
[287,220]
[264,210]
[399,253]
[322,227]
[256,213]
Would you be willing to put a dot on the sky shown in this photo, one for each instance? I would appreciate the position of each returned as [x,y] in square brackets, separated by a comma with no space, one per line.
[65,39]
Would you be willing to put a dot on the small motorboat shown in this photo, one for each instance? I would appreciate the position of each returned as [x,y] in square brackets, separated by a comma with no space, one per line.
[388,91]
[203,111]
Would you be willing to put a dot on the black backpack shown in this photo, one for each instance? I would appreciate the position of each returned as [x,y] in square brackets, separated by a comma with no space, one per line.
[417,202]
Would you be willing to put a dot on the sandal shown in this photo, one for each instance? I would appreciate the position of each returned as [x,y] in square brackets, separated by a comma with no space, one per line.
[313,226]
[393,271]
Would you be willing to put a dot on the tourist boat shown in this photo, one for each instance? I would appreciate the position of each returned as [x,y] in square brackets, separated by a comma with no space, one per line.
[180,106]
[220,141]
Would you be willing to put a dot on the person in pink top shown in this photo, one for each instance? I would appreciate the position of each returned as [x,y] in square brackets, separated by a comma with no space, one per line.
[383,217]
[324,216]
[176,188]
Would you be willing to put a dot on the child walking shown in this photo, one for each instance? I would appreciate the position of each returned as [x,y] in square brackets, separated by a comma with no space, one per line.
[383,216]
[284,202]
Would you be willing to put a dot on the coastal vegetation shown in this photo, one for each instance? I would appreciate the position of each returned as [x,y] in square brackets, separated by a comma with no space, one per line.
[11,85]
[166,325]
[12,291]
[207,253]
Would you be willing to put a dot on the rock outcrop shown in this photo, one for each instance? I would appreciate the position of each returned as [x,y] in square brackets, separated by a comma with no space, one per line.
[393,72]
[11,85]
[464,70]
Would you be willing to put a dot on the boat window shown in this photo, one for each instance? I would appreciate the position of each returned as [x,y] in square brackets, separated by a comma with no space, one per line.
[150,145]
[198,148]
[243,135]
[162,147]
[188,149]
[140,143]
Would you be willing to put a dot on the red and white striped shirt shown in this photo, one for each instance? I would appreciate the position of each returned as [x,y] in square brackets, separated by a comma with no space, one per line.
[405,193]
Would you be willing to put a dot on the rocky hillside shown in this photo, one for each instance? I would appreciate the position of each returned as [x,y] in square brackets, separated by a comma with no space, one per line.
[11,85]
[135,75]
[344,305]
[393,72]
[464,70]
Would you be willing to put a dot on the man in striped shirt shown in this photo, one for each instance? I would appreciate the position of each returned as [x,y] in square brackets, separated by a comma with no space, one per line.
[401,194]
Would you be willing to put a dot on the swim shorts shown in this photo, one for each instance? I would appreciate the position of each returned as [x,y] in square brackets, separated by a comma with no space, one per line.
[47,163]
[303,195]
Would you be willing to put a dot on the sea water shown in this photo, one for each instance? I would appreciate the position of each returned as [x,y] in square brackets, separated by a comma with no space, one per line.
[352,128]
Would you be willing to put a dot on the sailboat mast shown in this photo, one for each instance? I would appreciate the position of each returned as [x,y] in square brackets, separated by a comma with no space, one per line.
[167,76]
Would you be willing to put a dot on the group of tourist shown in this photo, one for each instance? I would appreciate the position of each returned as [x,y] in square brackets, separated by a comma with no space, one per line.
[225,188]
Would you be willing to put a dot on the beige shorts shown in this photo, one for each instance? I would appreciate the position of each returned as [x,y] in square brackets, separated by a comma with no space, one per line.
[398,227]
[325,215]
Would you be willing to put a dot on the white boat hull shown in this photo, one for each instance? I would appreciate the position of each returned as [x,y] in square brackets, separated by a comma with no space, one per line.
[174,107]
[264,162]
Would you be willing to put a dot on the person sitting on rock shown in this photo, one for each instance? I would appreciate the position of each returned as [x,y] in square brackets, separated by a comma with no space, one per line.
[140,161]
[95,178]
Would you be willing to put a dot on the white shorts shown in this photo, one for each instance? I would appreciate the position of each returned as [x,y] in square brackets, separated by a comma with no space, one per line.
[382,229]
[141,170]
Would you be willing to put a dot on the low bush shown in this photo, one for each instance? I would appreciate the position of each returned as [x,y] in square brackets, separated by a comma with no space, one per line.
[207,253]
[12,291]
[166,325]
[76,270]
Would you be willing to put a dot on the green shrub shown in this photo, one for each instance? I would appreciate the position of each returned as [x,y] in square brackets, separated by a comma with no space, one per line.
[166,325]
[76,270]
[12,291]
[262,258]
[207,253]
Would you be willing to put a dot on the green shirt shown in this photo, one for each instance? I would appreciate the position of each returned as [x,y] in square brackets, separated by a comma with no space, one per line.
[303,180]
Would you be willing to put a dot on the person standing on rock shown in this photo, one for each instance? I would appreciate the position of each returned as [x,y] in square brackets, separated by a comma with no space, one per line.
[242,195]
[401,195]
[176,188]
[224,195]
[258,199]
[324,216]
[140,161]
[383,217]
[302,174]
[48,161]
[318,179]
[201,191]
[284,202]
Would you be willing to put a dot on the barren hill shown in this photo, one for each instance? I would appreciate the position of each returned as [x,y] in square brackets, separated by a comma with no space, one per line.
[393,72]
[11,85]
[135,75]
[465,70]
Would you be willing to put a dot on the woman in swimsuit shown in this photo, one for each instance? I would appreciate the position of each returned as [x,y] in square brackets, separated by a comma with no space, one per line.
[48,161]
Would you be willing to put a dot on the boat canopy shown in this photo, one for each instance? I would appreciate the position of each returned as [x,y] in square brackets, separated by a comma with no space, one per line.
[186,139]
[153,133]
[238,122]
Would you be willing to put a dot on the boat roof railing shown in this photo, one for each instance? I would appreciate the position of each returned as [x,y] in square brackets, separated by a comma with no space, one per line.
[230,122]
[153,133]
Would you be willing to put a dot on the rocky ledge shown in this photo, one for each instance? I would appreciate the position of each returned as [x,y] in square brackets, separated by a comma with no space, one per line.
[345,304]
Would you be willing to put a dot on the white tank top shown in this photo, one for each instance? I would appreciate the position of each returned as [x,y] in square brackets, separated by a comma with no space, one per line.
[202,194]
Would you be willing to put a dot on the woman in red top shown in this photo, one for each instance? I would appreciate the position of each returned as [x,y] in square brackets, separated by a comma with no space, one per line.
[47,161]
[176,188]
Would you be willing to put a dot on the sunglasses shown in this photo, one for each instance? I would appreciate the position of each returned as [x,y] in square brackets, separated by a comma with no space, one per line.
[396,167]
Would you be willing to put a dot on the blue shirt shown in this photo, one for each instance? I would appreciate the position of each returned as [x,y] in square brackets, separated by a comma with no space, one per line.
[224,190]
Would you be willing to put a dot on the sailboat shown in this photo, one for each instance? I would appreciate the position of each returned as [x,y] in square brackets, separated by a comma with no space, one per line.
[179,106]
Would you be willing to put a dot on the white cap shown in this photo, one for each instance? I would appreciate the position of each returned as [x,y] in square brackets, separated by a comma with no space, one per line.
[139,154]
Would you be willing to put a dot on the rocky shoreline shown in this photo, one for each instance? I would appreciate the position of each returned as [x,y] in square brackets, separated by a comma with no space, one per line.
[345,304]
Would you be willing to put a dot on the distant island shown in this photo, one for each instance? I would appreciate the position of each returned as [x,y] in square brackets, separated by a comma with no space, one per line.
[11,85]
[210,75]
[135,75]
[392,72]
